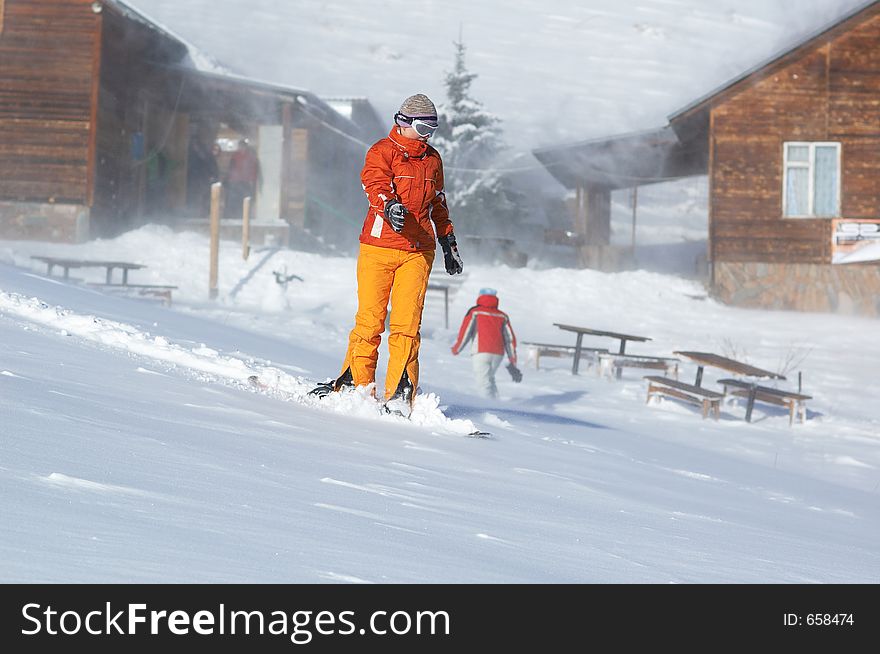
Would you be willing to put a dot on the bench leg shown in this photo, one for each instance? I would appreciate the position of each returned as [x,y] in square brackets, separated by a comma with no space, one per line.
[711,407]
[577,354]
[751,403]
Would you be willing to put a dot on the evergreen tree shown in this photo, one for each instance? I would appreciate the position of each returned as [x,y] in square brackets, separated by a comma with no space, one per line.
[481,200]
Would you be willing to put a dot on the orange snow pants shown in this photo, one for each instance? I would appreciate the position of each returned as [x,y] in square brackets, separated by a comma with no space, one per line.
[402,277]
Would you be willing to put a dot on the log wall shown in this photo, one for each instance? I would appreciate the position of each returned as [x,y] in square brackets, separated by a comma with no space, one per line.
[48,66]
[830,92]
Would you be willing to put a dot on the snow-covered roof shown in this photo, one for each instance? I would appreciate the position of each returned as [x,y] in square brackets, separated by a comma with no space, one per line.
[198,61]
[801,43]
[196,58]
[623,160]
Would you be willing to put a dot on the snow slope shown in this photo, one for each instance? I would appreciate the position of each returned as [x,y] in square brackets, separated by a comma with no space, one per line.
[133,450]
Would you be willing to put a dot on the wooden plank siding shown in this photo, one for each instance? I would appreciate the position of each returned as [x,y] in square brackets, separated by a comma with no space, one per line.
[829,92]
[47,70]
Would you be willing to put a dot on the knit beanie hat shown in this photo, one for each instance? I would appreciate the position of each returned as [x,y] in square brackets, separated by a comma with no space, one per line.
[418,106]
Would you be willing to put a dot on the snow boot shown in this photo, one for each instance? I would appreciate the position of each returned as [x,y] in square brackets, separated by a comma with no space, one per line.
[324,389]
[401,402]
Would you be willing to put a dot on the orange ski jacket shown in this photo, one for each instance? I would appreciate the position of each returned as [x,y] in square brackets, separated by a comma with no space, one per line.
[410,171]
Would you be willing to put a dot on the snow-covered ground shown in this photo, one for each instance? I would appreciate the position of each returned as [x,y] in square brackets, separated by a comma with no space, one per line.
[132,448]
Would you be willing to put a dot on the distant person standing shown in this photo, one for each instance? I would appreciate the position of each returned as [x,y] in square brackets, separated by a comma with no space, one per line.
[493,337]
[242,178]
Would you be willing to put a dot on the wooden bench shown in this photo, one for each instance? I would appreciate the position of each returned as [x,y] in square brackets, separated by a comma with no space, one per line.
[162,291]
[710,401]
[612,363]
[794,402]
[554,350]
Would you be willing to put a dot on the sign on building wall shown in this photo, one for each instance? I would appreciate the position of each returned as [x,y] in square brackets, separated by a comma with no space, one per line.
[855,240]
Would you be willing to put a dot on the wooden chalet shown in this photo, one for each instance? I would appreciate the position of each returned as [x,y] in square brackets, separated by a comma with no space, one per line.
[102,113]
[792,153]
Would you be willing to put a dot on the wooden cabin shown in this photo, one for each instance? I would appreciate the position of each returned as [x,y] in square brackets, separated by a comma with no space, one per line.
[106,118]
[792,152]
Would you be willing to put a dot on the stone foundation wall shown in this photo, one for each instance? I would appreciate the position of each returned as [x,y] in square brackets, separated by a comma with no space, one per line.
[37,221]
[852,289]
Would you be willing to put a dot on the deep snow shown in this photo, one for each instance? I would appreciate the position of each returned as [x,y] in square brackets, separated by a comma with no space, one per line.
[133,450]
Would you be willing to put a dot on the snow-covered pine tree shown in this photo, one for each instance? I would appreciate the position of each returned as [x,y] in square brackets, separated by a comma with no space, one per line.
[481,200]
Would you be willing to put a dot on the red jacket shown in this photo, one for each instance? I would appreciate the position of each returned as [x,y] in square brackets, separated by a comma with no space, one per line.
[410,171]
[490,326]
[243,167]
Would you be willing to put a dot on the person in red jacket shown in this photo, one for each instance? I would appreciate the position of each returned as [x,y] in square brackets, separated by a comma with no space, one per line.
[493,337]
[403,179]
[242,179]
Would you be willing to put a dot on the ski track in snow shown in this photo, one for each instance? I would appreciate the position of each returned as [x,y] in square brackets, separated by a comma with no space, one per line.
[203,360]
[75,483]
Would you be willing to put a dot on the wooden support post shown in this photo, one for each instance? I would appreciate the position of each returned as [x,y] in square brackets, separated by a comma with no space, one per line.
[246,228]
[635,203]
[216,188]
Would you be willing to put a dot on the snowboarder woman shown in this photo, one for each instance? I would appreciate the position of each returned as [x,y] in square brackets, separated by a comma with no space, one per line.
[403,179]
[492,337]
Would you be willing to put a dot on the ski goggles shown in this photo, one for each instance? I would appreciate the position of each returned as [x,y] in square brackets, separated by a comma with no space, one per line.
[424,125]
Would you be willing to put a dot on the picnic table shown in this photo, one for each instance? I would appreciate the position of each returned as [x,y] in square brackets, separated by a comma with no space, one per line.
[703,359]
[749,389]
[67,264]
[162,291]
[582,331]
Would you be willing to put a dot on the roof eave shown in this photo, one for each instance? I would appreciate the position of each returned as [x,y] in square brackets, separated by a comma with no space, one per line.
[774,62]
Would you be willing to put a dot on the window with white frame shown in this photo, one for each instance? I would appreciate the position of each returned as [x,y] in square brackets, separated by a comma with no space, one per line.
[811,183]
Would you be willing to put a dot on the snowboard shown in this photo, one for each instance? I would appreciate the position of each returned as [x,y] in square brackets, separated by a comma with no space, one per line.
[396,409]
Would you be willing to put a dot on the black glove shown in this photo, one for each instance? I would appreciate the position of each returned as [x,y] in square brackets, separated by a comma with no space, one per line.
[395,213]
[451,257]
[515,373]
